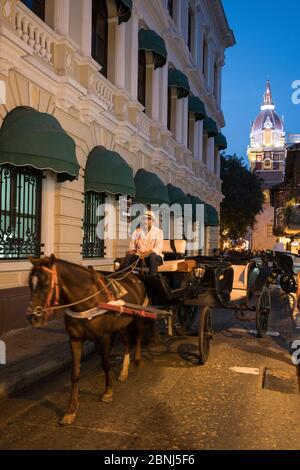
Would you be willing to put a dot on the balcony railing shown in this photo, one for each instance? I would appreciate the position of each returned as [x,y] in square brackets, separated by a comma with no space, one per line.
[35,33]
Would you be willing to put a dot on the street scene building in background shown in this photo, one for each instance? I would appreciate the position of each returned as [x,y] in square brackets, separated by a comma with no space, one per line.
[267,154]
[103,98]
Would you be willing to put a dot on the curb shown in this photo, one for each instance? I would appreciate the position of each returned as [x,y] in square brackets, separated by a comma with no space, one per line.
[15,384]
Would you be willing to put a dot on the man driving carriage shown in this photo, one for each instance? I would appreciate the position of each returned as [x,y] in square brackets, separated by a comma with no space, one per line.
[146,243]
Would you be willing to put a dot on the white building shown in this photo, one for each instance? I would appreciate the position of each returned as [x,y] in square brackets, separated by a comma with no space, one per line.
[121,84]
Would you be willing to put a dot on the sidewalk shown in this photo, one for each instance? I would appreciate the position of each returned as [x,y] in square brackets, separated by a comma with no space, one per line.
[32,354]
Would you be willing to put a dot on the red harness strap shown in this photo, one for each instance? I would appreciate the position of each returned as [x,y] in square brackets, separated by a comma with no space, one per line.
[54,287]
[105,289]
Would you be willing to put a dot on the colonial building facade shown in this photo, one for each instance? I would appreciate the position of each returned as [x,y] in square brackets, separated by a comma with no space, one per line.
[102,98]
[267,153]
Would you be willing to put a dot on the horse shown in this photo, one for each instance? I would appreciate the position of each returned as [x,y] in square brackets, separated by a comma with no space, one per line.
[55,283]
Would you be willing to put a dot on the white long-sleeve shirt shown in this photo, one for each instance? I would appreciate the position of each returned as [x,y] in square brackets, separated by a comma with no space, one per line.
[153,240]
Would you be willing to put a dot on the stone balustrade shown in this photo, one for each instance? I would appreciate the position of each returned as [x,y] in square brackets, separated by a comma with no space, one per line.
[35,33]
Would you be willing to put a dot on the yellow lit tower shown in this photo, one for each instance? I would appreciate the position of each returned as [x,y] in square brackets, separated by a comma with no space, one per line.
[267,153]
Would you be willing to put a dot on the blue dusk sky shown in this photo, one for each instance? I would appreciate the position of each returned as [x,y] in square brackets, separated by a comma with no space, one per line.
[268,46]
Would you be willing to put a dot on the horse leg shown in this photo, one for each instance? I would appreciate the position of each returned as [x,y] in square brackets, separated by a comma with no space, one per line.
[70,414]
[138,345]
[107,397]
[126,360]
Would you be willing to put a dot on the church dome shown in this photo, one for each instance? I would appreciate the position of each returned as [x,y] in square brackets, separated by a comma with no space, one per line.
[267,118]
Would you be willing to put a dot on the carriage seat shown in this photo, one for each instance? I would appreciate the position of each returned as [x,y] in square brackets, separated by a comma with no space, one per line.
[169,266]
[240,281]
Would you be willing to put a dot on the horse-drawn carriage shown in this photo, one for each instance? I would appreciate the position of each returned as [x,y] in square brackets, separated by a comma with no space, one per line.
[190,288]
[96,304]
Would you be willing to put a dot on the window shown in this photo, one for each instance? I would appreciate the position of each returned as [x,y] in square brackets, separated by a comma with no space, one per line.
[205,59]
[170,7]
[276,166]
[100,34]
[20,212]
[205,148]
[190,28]
[93,247]
[216,81]
[258,166]
[37,6]
[142,78]
[267,164]
[216,161]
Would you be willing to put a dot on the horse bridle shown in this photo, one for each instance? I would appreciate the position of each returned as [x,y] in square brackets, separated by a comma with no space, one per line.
[53,294]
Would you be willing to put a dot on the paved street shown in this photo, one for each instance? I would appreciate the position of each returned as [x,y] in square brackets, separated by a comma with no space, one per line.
[171,402]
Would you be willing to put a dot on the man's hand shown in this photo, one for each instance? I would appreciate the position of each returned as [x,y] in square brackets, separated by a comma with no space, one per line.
[131,252]
[144,254]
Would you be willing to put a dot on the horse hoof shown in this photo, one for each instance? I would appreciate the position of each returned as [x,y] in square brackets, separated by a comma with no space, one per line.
[67,419]
[107,397]
[123,377]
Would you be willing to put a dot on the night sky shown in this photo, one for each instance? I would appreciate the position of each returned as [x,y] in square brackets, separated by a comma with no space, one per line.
[268,46]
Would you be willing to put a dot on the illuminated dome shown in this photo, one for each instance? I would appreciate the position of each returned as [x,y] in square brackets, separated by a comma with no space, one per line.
[268,129]
[267,118]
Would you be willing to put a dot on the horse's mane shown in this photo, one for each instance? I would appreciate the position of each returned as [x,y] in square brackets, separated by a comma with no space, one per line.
[74,265]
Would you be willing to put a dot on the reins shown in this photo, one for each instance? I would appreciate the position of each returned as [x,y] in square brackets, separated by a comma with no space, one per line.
[54,289]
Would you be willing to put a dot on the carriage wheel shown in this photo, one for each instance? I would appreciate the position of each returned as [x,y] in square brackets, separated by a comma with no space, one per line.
[205,334]
[187,315]
[263,310]
[287,283]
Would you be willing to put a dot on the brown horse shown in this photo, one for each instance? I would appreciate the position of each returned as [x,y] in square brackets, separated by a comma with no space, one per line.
[54,282]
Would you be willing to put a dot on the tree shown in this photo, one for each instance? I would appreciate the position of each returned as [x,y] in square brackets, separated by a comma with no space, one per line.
[244,198]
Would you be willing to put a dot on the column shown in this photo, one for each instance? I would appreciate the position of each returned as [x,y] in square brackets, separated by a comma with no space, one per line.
[48,202]
[179,120]
[200,140]
[61,16]
[185,117]
[134,55]
[120,55]
[86,31]
[155,94]
[164,96]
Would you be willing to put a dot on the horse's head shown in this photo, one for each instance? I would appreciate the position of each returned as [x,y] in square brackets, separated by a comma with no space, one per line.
[43,283]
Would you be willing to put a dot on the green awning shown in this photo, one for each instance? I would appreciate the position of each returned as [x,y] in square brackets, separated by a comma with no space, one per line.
[197,107]
[31,138]
[177,196]
[150,41]
[150,189]
[212,216]
[124,10]
[180,81]
[220,141]
[107,172]
[210,127]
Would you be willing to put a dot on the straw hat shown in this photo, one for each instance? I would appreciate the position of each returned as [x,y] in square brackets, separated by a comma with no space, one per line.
[149,214]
